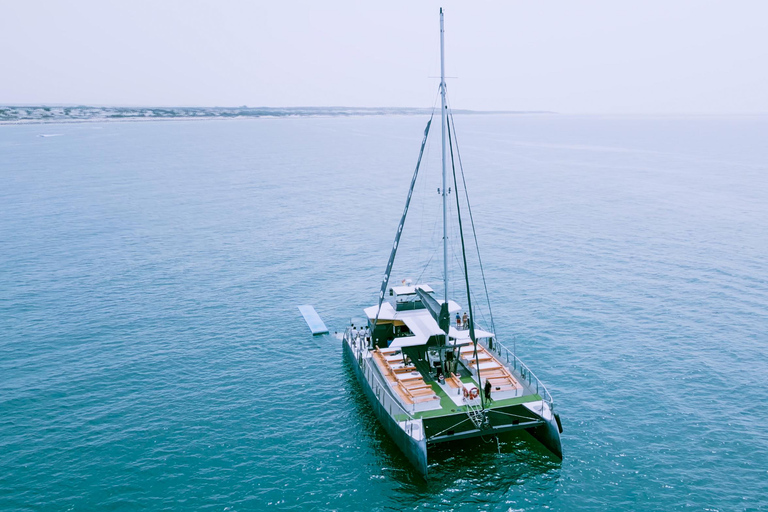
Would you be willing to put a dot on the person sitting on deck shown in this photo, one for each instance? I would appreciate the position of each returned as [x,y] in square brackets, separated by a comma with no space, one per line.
[458,320]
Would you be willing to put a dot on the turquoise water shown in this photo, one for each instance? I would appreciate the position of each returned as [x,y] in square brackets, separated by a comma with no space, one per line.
[152,356]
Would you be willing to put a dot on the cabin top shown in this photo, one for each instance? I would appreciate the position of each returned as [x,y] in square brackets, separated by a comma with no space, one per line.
[408,289]
[409,323]
[405,298]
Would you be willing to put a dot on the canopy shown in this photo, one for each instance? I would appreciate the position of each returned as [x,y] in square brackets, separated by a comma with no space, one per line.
[464,335]
[389,313]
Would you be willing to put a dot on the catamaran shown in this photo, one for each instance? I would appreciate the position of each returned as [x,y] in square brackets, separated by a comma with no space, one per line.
[430,381]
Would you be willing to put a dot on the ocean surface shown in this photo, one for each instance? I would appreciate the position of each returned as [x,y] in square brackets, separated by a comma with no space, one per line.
[152,356]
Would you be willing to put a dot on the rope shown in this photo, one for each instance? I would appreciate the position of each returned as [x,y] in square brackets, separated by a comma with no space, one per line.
[427,158]
[418,280]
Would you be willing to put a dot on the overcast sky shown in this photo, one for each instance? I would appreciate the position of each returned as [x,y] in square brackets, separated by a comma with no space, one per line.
[601,56]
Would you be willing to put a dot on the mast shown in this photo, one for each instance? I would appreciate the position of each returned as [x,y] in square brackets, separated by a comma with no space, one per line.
[445,188]
[447,128]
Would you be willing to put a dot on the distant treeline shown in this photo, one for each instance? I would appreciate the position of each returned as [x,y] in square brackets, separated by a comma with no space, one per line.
[84,113]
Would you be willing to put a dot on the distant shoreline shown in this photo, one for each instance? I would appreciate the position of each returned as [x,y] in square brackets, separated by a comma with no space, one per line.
[45,114]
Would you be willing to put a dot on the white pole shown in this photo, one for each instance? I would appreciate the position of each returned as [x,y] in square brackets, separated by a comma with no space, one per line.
[445,191]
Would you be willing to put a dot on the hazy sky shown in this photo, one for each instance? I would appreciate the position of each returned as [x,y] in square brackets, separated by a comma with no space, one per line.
[603,56]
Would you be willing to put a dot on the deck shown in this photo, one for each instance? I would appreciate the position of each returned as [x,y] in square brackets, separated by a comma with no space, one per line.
[420,393]
[418,411]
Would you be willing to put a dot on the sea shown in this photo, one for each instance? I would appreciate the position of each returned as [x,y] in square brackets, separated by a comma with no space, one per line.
[152,356]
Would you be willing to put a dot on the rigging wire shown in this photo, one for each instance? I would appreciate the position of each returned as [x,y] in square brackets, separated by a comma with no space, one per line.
[433,241]
[466,280]
[476,310]
[421,248]
[393,253]
[418,280]
[472,222]
[455,260]
[421,251]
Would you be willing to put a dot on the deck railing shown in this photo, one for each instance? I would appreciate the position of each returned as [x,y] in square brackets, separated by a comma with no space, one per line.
[511,360]
[381,390]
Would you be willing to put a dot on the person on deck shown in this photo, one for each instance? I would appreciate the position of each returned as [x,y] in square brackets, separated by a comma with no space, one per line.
[465,320]
[458,320]
[488,388]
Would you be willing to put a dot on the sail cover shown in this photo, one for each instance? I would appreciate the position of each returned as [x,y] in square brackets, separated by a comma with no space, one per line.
[438,311]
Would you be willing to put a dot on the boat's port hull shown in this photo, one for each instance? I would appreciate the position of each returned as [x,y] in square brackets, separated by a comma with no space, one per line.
[414,450]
